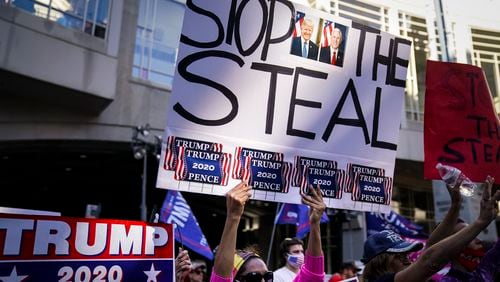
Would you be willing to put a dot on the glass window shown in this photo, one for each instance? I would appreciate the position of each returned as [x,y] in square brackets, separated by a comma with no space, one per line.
[375,16]
[89,16]
[412,28]
[415,205]
[415,29]
[157,39]
[486,54]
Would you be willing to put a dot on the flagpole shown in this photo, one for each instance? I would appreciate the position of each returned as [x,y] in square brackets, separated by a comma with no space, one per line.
[272,234]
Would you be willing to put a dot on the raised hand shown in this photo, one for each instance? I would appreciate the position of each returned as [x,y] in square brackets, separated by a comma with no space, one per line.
[489,203]
[182,265]
[236,199]
[315,202]
[235,204]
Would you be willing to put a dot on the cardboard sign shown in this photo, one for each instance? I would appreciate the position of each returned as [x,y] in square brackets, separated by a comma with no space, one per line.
[461,127]
[44,248]
[271,83]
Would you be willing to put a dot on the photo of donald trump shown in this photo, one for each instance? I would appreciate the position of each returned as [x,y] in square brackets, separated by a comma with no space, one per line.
[303,45]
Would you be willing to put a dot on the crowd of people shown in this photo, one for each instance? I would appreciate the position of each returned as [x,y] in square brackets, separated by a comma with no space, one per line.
[385,255]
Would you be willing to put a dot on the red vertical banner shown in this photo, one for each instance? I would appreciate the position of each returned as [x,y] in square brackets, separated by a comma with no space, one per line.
[461,127]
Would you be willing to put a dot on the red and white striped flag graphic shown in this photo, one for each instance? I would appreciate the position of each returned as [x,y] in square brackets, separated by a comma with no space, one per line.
[299,18]
[226,166]
[327,33]
[180,167]
[247,171]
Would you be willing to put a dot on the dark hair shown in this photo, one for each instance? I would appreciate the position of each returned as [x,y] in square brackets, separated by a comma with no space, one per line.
[378,266]
[285,245]
[348,265]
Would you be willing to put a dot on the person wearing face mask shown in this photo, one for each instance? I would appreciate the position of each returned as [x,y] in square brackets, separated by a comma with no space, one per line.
[292,253]
[385,253]
[473,263]
[233,265]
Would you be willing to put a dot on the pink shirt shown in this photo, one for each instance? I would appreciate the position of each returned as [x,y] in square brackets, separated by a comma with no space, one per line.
[313,270]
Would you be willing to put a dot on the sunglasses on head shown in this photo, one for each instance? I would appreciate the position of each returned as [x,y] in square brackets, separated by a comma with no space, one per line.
[256,277]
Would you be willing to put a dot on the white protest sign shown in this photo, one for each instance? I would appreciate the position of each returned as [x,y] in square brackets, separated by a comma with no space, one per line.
[246,104]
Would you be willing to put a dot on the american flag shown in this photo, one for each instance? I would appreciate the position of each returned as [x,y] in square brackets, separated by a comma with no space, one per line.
[226,167]
[299,18]
[340,179]
[180,166]
[238,165]
[388,190]
[327,32]
[304,180]
[286,174]
[356,190]
[247,170]
[170,156]
[297,172]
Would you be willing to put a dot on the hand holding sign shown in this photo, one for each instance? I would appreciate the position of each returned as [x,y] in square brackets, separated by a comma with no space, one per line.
[315,201]
[236,199]
[244,107]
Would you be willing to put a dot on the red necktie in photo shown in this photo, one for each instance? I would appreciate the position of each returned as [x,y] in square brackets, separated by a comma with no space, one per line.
[334,58]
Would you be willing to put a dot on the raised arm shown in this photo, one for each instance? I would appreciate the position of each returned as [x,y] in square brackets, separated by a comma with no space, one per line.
[435,257]
[182,266]
[445,228]
[235,204]
[317,207]
[313,269]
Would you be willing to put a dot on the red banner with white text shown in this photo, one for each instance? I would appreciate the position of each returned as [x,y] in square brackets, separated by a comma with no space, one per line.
[51,248]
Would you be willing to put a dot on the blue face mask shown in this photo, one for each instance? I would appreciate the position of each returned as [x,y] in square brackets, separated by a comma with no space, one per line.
[295,261]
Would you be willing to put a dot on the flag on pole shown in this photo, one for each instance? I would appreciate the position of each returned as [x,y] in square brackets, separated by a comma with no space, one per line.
[326,34]
[298,215]
[299,18]
[376,222]
[175,210]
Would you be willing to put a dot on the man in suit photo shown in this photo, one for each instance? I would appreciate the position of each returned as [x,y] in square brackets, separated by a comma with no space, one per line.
[333,54]
[302,45]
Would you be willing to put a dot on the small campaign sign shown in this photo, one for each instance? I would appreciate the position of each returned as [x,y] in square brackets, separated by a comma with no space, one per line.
[372,189]
[268,175]
[44,248]
[328,181]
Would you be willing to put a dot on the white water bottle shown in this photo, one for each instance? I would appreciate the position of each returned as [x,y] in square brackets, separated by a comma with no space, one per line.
[451,175]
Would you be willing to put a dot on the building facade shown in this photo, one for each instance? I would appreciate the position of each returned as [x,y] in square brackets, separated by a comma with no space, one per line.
[78,78]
